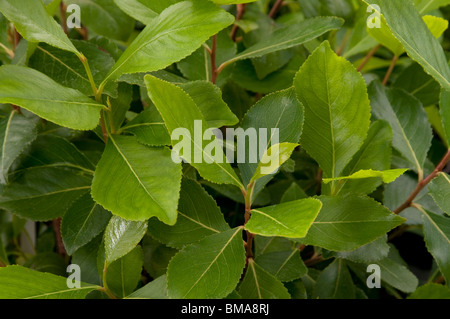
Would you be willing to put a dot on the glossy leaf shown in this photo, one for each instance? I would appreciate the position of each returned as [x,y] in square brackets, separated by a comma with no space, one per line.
[210,268]
[141,170]
[387,176]
[198,217]
[348,222]
[50,100]
[337,109]
[291,219]
[17,282]
[259,284]
[121,236]
[158,45]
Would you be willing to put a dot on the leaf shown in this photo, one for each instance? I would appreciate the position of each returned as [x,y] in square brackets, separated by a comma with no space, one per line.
[105,18]
[348,222]
[397,276]
[167,98]
[198,217]
[294,192]
[40,194]
[337,109]
[149,128]
[17,282]
[291,219]
[259,284]
[83,221]
[225,2]
[156,289]
[41,95]
[158,45]
[431,291]
[124,274]
[16,133]
[388,176]
[86,258]
[411,129]
[437,238]
[335,282]
[121,236]
[138,9]
[210,268]
[67,69]
[371,252]
[290,36]
[424,6]
[272,159]
[156,256]
[439,189]
[284,265]
[419,42]
[34,24]
[445,112]
[128,181]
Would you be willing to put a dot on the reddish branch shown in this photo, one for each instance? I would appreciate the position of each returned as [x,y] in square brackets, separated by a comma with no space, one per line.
[391,68]
[421,185]
[239,16]
[59,242]
[273,12]
[368,57]
[62,11]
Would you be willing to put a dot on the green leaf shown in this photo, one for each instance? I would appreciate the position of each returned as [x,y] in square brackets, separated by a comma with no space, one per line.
[149,128]
[397,275]
[437,238]
[348,222]
[290,36]
[293,192]
[284,265]
[387,176]
[83,221]
[40,194]
[43,96]
[335,282]
[424,6]
[439,189]
[337,109]
[86,258]
[198,217]
[210,268]
[105,18]
[158,46]
[224,2]
[138,9]
[408,120]
[291,219]
[128,181]
[124,274]
[156,256]
[431,291]
[445,113]
[272,159]
[34,24]
[16,133]
[418,41]
[121,236]
[371,252]
[167,98]
[17,282]
[156,289]
[259,284]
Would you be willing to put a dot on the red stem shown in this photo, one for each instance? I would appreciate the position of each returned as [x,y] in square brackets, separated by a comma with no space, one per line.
[391,68]
[368,57]
[239,16]
[275,8]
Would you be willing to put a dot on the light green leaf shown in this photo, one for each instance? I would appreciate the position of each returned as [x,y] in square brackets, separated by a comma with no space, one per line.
[272,159]
[259,284]
[83,221]
[128,181]
[290,36]
[224,2]
[348,222]
[291,219]
[437,238]
[158,45]
[121,236]
[198,217]
[40,194]
[210,268]
[335,282]
[411,129]
[337,109]
[284,265]
[124,274]
[387,176]
[16,133]
[418,41]
[34,24]
[156,289]
[43,96]
[138,9]
[17,282]
[445,113]
[167,99]
[431,291]
[424,6]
